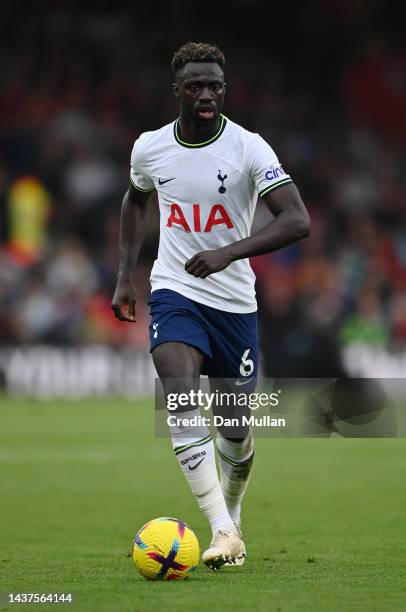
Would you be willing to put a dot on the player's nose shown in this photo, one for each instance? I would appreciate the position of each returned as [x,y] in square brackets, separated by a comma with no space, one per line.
[206,95]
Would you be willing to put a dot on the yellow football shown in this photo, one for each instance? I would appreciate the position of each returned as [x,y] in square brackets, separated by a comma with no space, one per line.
[166,549]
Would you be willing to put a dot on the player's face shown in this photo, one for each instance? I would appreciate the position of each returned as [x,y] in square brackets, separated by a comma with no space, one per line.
[200,88]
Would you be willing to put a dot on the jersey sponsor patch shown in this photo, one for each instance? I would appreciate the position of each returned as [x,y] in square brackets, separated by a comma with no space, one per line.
[274,172]
[218,215]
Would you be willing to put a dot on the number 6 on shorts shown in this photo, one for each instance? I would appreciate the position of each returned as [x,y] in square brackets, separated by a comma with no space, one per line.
[246,365]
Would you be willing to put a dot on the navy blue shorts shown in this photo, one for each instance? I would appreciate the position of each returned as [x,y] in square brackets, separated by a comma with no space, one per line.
[228,340]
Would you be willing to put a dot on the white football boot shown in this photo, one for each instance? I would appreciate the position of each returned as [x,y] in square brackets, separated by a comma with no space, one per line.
[241,559]
[226,548]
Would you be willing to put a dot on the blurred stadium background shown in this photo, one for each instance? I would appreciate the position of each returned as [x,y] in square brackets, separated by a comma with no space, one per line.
[324,82]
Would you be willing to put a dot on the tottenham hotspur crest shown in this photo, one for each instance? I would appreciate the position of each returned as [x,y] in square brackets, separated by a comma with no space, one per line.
[222,189]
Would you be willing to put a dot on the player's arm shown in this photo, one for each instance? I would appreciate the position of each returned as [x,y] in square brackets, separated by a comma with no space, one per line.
[291,223]
[132,231]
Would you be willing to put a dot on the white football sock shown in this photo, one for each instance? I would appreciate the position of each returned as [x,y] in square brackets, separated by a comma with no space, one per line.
[235,459]
[194,450]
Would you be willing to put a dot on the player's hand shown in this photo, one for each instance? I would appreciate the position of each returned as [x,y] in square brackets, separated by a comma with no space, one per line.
[207,262]
[123,303]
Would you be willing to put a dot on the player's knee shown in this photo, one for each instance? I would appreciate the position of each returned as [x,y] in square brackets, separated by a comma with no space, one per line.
[180,395]
[245,442]
[238,434]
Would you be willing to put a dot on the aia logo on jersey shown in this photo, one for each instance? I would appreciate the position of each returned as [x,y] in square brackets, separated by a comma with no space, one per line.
[217,216]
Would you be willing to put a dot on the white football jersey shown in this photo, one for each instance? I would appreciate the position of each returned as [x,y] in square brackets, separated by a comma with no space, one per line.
[207,197]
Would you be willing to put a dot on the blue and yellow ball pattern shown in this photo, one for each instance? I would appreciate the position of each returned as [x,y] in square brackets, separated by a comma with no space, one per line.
[166,549]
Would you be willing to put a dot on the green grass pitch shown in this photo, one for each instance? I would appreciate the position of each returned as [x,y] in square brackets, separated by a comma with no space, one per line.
[324,520]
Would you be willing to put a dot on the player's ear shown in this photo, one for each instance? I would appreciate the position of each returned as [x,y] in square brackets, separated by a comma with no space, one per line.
[175,89]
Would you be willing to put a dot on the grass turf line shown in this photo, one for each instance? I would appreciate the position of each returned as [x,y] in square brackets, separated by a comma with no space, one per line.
[323,519]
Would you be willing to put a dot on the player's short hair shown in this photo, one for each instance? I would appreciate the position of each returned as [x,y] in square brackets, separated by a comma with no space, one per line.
[197,52]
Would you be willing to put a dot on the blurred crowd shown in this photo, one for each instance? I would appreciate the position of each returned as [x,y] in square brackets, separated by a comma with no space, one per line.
[78,86]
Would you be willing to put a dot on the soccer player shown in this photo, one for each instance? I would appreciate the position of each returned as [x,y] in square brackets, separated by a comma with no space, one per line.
[208,172]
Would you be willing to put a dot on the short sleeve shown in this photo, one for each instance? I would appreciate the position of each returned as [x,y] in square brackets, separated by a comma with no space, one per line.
[139,175]
[266,171]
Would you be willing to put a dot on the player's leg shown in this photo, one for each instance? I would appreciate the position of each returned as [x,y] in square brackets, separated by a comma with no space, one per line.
[235,457]
[234,369]
[179,340]
[178,366]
